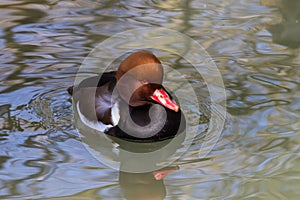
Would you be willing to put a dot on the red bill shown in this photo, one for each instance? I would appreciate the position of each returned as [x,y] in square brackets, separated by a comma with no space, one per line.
[161,96]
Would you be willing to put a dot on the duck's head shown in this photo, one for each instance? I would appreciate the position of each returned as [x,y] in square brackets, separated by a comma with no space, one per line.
[139,81]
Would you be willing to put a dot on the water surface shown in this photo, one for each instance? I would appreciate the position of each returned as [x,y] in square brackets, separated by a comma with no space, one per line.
[255,46]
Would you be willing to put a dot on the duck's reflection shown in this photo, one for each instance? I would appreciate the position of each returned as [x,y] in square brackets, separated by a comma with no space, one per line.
[144,185]
[287,32]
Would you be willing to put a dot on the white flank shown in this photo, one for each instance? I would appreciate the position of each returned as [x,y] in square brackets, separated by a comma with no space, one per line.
[99,126]
[115,113]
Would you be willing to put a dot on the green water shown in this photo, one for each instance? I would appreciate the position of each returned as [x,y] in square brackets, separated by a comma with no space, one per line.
[253,43]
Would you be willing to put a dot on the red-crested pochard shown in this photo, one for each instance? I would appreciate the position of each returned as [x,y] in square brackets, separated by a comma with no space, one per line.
[130,103]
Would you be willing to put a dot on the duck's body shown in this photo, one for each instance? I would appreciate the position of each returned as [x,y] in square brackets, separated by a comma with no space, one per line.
[127,104]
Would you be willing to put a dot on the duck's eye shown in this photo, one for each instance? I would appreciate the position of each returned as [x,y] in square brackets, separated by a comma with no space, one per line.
[144,81]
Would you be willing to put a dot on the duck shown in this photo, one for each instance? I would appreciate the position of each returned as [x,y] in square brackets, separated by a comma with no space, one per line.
[131,103]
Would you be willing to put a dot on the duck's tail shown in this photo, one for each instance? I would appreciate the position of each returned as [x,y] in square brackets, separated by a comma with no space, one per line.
[70,90]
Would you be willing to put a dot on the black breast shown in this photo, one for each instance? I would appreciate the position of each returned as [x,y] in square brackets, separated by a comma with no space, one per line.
[148,123]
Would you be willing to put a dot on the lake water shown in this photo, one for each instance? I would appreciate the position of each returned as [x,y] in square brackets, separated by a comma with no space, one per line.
[254,44]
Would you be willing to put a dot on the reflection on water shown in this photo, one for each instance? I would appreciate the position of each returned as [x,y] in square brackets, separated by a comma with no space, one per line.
[44,42]
[144,185]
